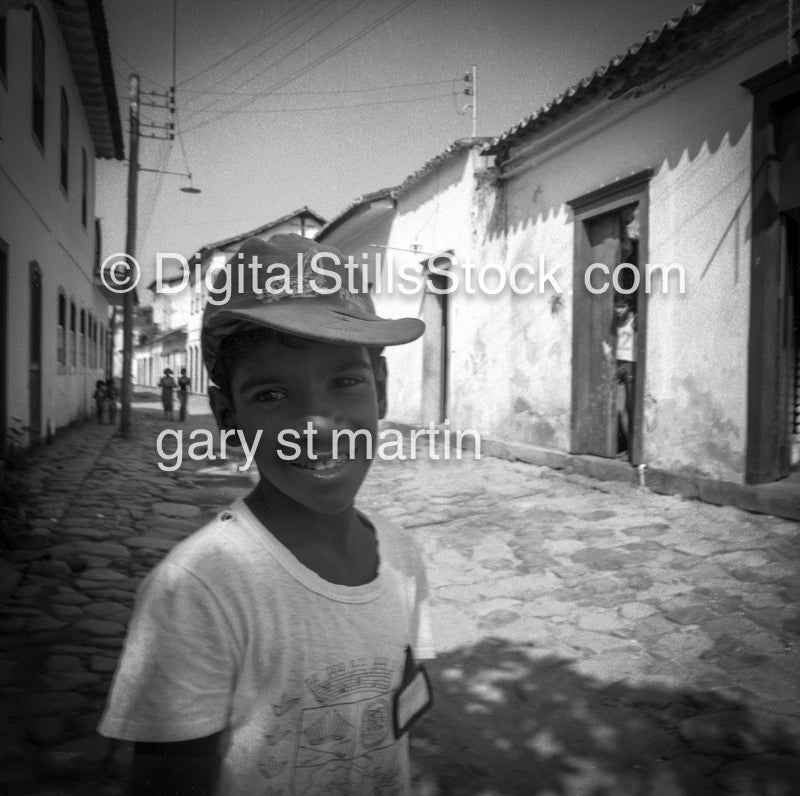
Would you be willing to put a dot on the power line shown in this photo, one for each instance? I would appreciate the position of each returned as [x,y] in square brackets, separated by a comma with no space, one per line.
[320,60]
[327,91]
[328,107]
[131,67]
[270,29]
[286,55]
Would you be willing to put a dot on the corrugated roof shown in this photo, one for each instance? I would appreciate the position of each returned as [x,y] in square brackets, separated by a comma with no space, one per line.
[680,47]
[83,26]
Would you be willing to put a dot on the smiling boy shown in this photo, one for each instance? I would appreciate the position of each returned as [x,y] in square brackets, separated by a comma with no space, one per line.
[273,651]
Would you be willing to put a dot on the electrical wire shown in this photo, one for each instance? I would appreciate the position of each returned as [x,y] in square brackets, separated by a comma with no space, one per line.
[317,61]
[321,91]
[286,55]
[133,68]
[332,107]
[303,16]
[270,29]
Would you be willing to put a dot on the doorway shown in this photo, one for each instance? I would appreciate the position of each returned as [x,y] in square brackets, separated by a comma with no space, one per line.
[436,344]
[35,358]
[3,346]
[609,321]
[773,405]
[791,227]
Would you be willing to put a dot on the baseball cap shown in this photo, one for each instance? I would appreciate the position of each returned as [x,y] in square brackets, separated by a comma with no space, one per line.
[297,286]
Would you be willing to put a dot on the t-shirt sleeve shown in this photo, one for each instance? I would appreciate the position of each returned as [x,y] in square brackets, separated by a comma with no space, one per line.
[175,678]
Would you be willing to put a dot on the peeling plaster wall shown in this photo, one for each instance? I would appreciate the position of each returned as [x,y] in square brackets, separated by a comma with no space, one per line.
[435,215]
[697,142]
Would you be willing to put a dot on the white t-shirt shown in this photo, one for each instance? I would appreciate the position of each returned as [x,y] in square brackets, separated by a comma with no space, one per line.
[231,632]
[625,339]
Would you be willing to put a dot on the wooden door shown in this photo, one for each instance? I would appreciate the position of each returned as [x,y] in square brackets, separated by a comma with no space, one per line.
[4,342]
[594,420]
[35,358]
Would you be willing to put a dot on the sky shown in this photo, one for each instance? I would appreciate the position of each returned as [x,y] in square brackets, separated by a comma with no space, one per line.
[282,104]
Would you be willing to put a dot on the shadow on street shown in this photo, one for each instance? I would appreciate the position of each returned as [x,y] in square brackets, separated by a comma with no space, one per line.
[509,720]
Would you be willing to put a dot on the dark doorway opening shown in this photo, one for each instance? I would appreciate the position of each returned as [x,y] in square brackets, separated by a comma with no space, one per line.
[609,312]
[436,346]
[35,358]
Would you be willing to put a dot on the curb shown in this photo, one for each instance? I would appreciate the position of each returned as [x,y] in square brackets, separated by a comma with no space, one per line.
[780,499]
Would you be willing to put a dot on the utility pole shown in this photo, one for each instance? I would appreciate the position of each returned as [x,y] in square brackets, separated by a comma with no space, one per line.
[130,250]
[474,100]
[471,90]
[164,101]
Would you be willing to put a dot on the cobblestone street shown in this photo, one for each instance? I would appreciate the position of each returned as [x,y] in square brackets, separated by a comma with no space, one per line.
[595,639]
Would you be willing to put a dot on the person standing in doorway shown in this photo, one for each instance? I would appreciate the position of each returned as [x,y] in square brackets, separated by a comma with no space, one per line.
[167,385]
[624,333]
[184,382]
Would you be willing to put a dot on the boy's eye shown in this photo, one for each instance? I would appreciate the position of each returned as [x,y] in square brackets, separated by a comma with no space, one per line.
[268,396]
[348,381]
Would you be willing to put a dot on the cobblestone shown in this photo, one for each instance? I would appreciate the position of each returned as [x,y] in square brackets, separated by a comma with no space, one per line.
[593,638]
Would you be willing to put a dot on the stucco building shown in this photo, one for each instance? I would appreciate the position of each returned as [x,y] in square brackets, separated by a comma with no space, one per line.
[58,112]
[680,160]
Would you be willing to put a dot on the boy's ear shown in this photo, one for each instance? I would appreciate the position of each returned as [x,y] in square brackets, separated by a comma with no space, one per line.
[381,371]
[224,412]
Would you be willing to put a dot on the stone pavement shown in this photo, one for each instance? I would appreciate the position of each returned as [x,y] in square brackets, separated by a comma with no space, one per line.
[595,640]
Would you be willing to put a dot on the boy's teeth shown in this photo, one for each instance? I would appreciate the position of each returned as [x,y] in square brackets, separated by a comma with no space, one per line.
[324,464]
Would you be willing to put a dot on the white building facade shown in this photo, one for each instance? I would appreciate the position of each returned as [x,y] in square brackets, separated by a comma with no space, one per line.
[58,112]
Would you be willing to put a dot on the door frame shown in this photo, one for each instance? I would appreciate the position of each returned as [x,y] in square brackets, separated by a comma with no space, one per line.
[763,453]
[35,364]
[4,343]
[443,260]
[627,191]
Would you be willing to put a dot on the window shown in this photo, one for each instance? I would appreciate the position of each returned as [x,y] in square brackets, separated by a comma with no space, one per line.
[64,171]
[73,349]
[61,341]
[92,342]
[84,187]
[83,338]
[3,49]
[37,73]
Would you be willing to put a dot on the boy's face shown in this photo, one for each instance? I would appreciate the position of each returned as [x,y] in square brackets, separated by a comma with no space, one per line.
[622,308]
[275,389]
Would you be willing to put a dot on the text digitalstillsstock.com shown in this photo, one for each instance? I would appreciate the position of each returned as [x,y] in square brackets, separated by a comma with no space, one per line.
[436,442]
[376,274]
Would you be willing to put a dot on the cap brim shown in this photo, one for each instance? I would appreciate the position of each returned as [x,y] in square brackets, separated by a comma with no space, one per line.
[326,324]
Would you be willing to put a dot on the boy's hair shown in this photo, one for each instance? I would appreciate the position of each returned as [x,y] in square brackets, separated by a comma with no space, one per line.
[232,348]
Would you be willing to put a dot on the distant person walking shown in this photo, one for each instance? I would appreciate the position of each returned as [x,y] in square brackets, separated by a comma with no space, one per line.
[184,382]
[99,397]
[112,395]
[167,385]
